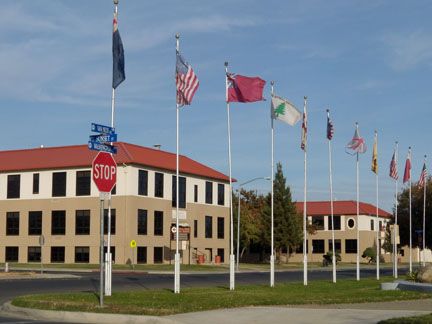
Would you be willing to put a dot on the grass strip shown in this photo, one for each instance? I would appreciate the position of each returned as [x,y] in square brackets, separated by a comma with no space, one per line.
[165,302]
[422,319]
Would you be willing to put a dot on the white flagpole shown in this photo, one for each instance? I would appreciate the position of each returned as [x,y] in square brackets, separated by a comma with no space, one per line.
[424,214]
[331,205]
[410,215]
[232,258]
[378,245]
[305,264]
[272,258]
[395,270]
[108,261]
[177,255]
[358,216]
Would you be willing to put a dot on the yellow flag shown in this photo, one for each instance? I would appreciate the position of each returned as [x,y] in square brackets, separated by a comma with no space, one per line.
[374,166]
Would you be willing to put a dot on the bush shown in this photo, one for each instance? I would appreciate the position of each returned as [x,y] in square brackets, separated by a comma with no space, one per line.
[370,254]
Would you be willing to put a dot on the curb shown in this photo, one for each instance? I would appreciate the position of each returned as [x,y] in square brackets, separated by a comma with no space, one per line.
[81,317]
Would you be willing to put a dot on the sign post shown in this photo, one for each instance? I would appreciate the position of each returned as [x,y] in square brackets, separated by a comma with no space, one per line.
[41,243]
[133,245]
[104,174]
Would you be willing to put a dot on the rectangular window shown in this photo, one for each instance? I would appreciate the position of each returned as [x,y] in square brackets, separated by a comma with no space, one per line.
[195,193]
[318,222]
[83,183]
[82,222]
[220,227]
[337,222]
[12,223]
[195,228]
[142,222]
[82,254]
[35,183]
[159,185]
[372,225]
[114,190]
[317,246]
[58,254]
[58,222]
[113,221]
[35,223]
[209,192]
[221,194]
[338,246]
[158,222]
[208,227]
[221,253]
[381,228]
[142,182]
[34,254]
[13,186]
[350,246]
[59,184]
[182,192]
[142,254]
[158,254]
[299,248]
[112,251]
[11,254]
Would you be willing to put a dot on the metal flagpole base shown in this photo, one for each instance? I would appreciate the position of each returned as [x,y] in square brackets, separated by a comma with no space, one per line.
[108,267]
[232,272]
[177,273]
[272,259]
[305,277]
[358,267]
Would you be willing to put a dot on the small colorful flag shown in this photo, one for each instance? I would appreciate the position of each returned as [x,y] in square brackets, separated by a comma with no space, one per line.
[374,166]
[118,56]
[304,129]
[186,81]
[284,111]
[357,144]
[407,172]
[245,89]
[393,168]
[330,129]
[423,176]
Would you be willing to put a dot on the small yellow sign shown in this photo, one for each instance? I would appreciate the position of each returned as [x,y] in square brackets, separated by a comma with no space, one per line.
[133,244]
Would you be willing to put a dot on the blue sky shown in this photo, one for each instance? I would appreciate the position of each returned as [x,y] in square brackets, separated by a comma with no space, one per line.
[368,61]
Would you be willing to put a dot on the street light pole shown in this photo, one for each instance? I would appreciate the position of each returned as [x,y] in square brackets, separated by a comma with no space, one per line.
[238,214]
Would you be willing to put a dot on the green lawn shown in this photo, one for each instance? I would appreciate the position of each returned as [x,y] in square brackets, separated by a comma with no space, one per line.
[424,319]
[165,302]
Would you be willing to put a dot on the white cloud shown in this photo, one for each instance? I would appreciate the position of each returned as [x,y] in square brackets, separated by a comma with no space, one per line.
[409,50]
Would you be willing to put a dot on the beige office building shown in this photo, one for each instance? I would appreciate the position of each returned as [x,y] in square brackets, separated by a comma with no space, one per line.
[346,223]
[50,207]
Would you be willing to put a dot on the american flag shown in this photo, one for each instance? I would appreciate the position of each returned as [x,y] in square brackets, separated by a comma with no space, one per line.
[304,129]
[186,81]
[393,168]
[423,176]
[330,129]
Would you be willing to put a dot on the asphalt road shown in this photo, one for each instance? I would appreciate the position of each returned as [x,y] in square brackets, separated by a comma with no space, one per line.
[132,281]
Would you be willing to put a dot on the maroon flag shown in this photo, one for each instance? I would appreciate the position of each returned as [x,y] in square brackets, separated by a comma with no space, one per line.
[245,89]
[407,172]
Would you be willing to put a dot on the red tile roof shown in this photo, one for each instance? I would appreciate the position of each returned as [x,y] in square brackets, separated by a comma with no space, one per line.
[76,156]
[344,207]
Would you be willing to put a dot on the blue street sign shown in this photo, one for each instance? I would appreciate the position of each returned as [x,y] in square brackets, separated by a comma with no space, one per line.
[102,147]
[106,138]
[102,129]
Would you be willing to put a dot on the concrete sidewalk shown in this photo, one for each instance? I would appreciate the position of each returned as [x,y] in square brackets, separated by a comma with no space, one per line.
[341,313]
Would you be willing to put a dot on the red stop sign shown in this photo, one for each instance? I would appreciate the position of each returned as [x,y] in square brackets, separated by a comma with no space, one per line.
[104,170]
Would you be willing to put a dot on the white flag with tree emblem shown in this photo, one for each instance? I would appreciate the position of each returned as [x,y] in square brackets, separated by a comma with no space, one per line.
[285,111]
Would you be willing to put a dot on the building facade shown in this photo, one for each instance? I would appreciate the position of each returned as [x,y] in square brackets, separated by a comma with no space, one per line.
[50,207]
[345,229]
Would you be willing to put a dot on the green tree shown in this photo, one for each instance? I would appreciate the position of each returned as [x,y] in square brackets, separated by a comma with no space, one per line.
[287,223]
[416,214]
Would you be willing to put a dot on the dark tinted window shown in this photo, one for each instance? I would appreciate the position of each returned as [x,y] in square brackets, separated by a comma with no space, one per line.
[158,223]
[35,183]
[195,228]
[195,193]
[142,222]
[182,192]
[35,223]
[338,248]
[208,227]
[141,254]
[318,222]
[58,222]
[350,246]
[11,254]
[13,186]
[82,222]
[58,254]
[83,183]
[59,184]
[142,182]
[209,192]
[34,254]
[220,227]
[12,223]
[158,254]
[337,222]
[159,182]
[221,194]
[317,246]
[82,254]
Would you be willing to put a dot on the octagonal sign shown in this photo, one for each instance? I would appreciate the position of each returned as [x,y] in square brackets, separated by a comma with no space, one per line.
[104,170]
